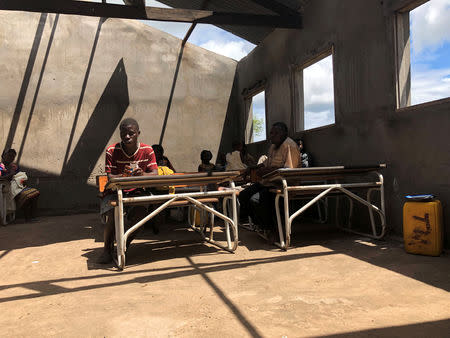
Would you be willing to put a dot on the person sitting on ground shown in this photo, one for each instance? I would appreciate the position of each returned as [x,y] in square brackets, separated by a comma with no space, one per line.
[206,165]
[126,158]
[239,158]
[162,160]
[306,159]
[257,201]
[25,198]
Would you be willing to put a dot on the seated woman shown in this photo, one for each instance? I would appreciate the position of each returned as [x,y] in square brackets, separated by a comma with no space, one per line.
[25,197]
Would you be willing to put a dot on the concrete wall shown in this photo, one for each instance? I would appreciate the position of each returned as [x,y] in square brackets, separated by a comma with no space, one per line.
[67,81]
[413,142]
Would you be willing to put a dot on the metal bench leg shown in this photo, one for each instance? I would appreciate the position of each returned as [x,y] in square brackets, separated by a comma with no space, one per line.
[119,224]
[211,224]
[281,244]
[372,220]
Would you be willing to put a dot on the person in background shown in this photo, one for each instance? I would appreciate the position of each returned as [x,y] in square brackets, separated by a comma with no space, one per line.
[163,169]
[246,158]
[257,201]
[221,162]
[234,159]
[206,165]
[162,160]
[239,158]
[25,198]
[306,159]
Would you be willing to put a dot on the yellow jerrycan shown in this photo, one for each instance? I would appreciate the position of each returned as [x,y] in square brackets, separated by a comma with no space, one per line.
[423,231]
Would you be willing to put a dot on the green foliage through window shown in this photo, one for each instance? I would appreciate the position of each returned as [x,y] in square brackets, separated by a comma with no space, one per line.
[258,126]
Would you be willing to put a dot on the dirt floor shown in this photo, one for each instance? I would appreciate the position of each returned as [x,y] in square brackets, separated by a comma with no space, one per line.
[329,284]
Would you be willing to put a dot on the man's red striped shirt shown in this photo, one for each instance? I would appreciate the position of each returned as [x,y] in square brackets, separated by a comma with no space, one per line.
[117,159]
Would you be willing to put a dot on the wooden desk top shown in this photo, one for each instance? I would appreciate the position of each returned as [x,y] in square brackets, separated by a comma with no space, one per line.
[315,172]
[190,179]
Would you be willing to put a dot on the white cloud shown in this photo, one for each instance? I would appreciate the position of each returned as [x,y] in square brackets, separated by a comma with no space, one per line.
[319,93]
[430,85]
[233,49]
[430,25]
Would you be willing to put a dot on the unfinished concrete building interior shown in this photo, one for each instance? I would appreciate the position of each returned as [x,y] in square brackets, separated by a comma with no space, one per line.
[72,70]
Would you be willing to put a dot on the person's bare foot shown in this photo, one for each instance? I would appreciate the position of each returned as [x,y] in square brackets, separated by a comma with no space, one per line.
[105,258]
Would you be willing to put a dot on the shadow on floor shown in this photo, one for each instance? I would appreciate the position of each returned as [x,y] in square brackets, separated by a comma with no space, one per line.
[387,254]
[439,328]
[174,241]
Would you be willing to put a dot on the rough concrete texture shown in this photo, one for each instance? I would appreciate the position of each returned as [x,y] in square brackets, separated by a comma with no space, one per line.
[328,284]
[67,81]
[413,141]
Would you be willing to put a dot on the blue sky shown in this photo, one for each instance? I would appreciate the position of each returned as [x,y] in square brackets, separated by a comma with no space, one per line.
[206,36]
[430,51]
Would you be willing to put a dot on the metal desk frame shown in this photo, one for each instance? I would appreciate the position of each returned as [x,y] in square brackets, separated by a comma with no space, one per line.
[198,179]
[319,191]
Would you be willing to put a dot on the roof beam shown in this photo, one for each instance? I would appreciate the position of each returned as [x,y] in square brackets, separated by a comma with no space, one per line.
[278,8]
[147,13]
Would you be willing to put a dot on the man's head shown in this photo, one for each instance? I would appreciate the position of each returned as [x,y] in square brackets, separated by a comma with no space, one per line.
[206,156]
[8,156]
[159,152]
[278,133]
[237,145]
[129,131]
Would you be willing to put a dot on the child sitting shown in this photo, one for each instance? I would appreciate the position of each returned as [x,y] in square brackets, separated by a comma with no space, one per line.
[162,160]
[206,165]
[164,166]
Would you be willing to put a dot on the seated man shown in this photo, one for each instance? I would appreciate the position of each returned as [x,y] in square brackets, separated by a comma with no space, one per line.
[256,201]
[126,158]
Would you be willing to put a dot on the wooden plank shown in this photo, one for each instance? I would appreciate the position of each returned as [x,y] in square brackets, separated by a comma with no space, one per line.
[146,13]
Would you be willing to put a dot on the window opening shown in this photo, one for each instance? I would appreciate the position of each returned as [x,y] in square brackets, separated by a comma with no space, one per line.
[423,53]
[318,93]
[256,130]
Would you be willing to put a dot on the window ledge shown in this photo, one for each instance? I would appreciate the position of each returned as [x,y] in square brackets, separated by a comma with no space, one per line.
[327,126]
[423,105]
